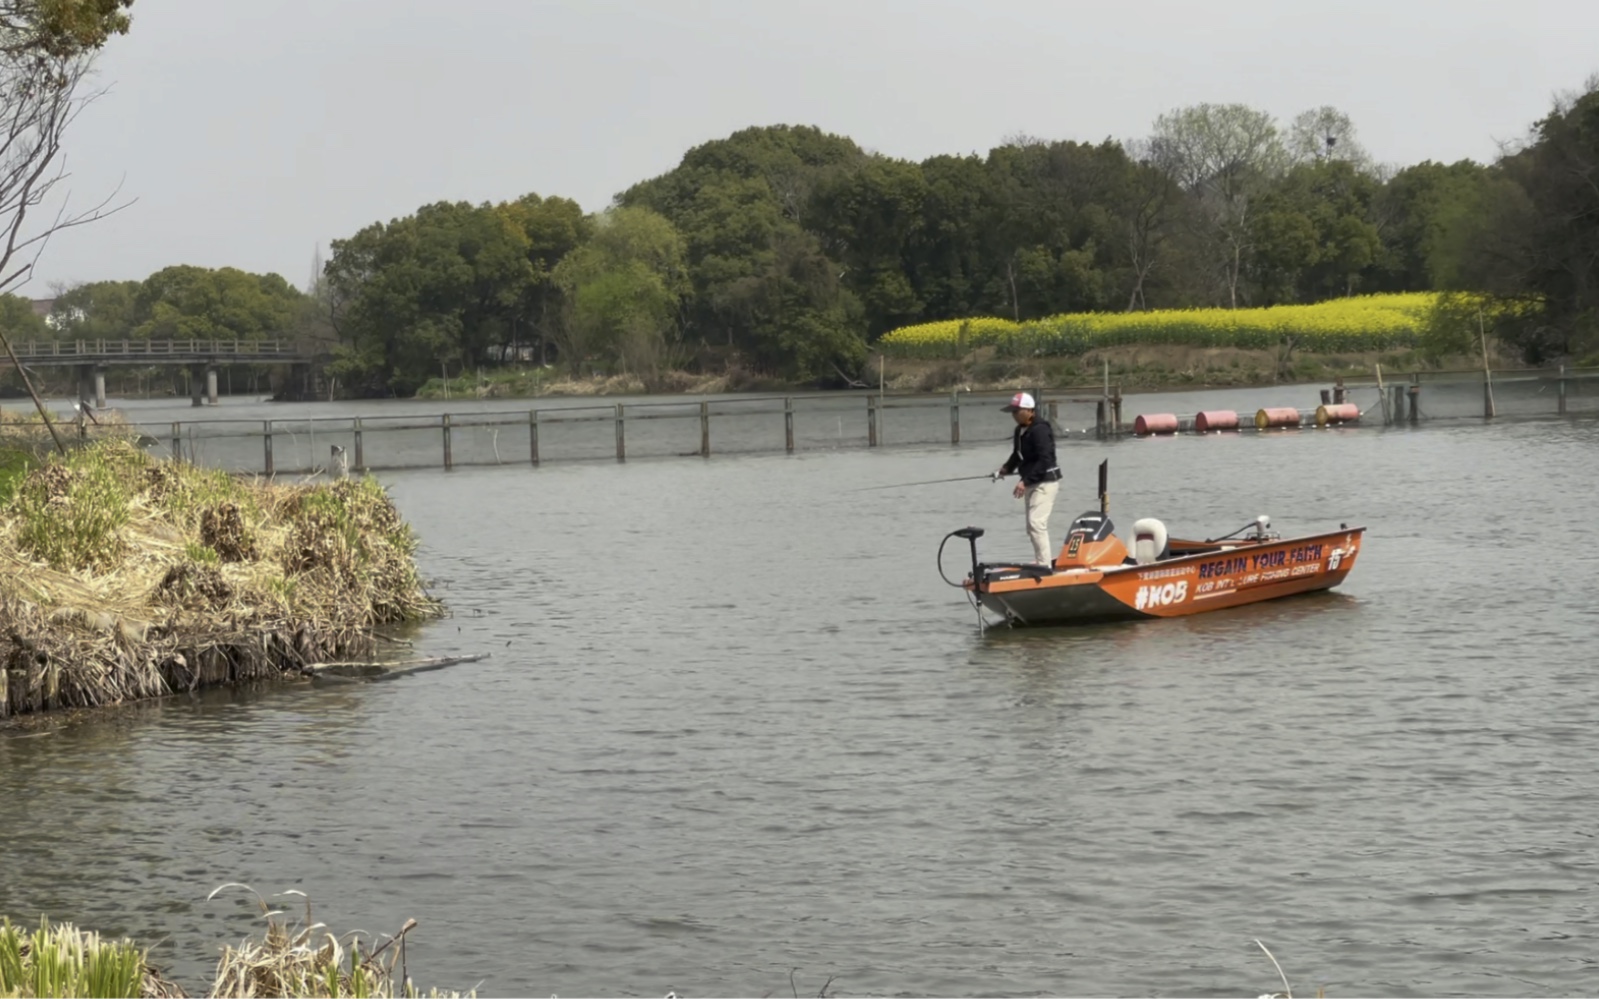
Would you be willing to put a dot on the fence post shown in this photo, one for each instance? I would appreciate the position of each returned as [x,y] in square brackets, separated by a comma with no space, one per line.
[449,458]
[533,435]
[621,441]
[1561,394]
[788,424]
[360,449]
[871,421]
[955,416]
[705,428]
[266,446]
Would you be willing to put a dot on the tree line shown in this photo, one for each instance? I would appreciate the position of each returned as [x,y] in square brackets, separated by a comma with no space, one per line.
[788,251]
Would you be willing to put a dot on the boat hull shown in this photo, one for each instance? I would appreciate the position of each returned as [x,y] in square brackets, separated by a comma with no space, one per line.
[1196,579]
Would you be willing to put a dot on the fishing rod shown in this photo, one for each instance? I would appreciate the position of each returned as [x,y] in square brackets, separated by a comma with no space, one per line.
[931,482]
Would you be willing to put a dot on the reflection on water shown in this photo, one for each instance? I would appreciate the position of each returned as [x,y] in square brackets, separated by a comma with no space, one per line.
[733,724]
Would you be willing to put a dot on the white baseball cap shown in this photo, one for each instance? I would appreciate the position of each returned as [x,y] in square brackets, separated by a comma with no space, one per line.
[1020,400]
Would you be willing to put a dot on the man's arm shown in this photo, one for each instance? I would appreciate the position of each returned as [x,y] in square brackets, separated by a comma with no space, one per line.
[1014,462]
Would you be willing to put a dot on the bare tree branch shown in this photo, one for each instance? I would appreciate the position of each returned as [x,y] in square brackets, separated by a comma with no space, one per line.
[39,100]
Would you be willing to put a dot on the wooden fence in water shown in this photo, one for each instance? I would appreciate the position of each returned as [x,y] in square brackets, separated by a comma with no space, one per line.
[570,429]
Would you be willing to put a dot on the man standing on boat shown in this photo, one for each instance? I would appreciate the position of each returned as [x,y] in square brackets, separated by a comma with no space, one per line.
[1032,456]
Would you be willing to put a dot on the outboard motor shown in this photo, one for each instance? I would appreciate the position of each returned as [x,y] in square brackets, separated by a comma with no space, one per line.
[1090,540]
[1149,541]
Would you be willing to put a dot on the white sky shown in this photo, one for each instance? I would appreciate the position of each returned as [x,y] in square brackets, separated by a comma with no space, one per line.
[250,131]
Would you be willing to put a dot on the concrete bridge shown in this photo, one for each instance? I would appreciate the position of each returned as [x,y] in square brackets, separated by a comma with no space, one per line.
[201,357]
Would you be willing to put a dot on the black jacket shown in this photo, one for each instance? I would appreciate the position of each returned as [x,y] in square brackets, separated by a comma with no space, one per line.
[1032,453]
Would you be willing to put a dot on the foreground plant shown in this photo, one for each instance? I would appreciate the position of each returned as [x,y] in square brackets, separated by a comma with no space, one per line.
[304,958]
[62,960]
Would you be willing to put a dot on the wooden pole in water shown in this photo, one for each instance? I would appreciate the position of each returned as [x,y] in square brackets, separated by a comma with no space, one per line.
[621,435]
[1116,411]
[705,429]
[266,445]
[533,435]
[1561,393]
[871,421]
[177,443]
[1382,395]
[1105,397]
[955,416]
[360,449]
[449,457]
[788,424]
[1487,377]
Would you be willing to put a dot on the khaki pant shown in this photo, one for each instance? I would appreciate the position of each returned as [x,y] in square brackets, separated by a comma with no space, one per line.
[1039,500]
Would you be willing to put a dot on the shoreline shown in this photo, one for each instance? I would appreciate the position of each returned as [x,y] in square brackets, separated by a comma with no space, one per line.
[1135,369]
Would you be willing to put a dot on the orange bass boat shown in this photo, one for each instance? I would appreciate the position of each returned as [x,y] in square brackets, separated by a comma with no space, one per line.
[1095,577]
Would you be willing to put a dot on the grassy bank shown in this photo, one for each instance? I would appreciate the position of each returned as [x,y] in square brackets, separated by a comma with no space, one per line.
[125,577]
[291,957]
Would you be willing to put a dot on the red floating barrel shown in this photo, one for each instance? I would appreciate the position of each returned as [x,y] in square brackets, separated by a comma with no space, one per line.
[1345,412]
[1216,419]
[1276,416]
[1155,423]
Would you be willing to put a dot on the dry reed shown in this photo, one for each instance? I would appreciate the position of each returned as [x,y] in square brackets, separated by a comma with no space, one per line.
[303,957]
[126,577]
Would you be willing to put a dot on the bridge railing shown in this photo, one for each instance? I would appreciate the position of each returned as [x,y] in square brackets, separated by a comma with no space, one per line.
[155,349]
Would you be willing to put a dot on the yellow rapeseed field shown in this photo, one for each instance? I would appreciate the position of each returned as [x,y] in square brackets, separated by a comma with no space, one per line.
[1368,322]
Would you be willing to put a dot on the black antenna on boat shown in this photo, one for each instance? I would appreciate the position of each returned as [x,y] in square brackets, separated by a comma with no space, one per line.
[1104,480]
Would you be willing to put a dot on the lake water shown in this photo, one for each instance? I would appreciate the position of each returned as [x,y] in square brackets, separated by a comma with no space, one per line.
[733,725]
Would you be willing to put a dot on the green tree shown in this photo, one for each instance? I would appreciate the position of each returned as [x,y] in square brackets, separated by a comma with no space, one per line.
[19,321]
[1412,212]
[742,205]
[199,303]
[623,289]
[1225,157]
[452,285]
[554,227]
[60,28]
[97,310]
[1531,238]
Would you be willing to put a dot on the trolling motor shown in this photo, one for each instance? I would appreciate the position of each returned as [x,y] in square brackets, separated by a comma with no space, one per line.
[971,534]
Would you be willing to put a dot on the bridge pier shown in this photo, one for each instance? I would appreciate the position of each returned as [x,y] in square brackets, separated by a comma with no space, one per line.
[99,387]
[211,383]
[85,380]
[196,384]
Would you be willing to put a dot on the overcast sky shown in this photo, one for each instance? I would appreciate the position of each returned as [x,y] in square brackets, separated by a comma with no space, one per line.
[250,131]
